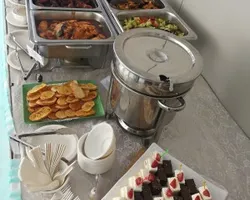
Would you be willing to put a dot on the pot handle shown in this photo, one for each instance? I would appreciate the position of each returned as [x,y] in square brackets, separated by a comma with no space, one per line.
[173,109]
[79,47]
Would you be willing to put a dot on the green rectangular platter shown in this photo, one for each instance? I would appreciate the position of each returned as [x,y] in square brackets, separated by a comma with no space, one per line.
[98,104]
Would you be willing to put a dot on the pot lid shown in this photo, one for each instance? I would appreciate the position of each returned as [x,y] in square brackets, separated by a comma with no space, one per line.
[158,56]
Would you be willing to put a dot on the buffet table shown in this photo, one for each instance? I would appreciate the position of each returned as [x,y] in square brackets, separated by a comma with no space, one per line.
[203,136]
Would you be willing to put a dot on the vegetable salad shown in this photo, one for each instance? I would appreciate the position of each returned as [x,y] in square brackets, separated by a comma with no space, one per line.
[152,22]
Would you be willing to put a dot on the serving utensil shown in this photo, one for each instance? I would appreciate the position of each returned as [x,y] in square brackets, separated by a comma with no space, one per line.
[12,36]
[16,139]
[57,154]
[61,176]
[93,191]
[25,73]
[68,195]
[58,195]
[48,156]
[61,131]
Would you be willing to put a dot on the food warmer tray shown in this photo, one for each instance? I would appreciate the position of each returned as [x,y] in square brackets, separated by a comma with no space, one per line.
[166,11]
[97,3]
[218,192]
[74,48]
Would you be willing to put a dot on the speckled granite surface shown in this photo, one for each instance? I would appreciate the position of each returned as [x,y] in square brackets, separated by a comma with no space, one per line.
[203,136]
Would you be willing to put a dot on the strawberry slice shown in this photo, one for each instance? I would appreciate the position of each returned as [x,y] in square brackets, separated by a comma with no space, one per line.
[206,193]
[154,164]
[197,197]
[169,192]
[130,194]
[158,157]
[173,183]
[138,181]
[180,176]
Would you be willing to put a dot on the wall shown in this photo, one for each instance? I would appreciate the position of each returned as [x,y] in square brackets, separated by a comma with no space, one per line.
[224,42]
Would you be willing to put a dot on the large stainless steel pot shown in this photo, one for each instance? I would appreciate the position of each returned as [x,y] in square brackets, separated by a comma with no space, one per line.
[151,73]
[139,113]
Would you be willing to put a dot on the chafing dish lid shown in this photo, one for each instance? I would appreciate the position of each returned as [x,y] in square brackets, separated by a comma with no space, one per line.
[158,56]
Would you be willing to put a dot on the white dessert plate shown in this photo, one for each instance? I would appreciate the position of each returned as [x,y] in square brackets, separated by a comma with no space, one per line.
[17,2]
[11,20]
[217,191]
[69,140]
[13,61]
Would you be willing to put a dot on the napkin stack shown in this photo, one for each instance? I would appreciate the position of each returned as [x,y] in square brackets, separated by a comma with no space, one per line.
[42,173]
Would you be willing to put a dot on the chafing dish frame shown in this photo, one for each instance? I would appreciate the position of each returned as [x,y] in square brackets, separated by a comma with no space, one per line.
[171,17]
[68,15]
[115,13]
[70,48]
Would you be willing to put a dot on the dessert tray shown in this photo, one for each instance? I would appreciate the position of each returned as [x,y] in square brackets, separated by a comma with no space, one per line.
[191,186]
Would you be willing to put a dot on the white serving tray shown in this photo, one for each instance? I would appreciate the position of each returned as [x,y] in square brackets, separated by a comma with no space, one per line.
[217,192]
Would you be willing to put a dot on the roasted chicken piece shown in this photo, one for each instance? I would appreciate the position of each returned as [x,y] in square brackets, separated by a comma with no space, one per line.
[43,26]
[150,5]
[70,29]
[80,4]
[98,37]
[64,3]
[48,35]
[133,4]
[84,31]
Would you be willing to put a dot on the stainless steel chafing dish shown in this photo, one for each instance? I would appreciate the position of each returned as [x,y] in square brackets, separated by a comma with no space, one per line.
[161,4]
[70,48]
[172,18]
[151,73]
[97,7]
[166,12]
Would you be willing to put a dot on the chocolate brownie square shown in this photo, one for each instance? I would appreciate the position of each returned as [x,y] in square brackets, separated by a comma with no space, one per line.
[185,193]
[146,192]
[191,185]
[161,175]
[155,187]
[167,165]
[138,196]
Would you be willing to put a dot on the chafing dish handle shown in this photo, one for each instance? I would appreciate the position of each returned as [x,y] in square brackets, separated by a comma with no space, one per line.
[173,109]
[79,47]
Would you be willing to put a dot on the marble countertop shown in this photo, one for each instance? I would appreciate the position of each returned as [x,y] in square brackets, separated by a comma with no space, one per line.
[203,136]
